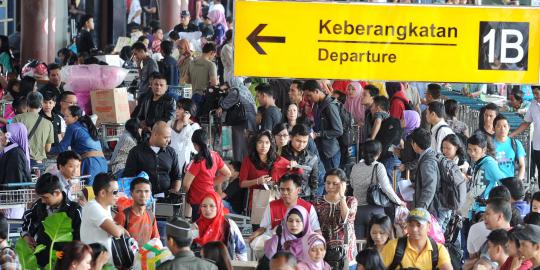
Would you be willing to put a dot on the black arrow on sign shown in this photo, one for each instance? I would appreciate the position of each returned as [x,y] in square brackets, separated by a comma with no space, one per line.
[254,38]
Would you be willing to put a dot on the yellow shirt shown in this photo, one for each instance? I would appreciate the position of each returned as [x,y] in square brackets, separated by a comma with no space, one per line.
[413,258]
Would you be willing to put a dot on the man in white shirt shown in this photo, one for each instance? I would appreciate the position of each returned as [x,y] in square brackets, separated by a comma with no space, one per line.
[135,12]
[532,116]
[97,224]
[439,128]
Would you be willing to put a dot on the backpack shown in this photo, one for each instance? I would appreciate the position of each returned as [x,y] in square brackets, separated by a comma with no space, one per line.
[127,214]
[348,137]
[123,250]
[408,105]
[400,252]
[389,134]
[453,195]
[453,229]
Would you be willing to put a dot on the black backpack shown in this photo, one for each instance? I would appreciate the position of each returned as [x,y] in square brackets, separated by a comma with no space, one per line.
[454,193]
[408,105]
[453,229]
[400,252]
[348,137]
[389,134]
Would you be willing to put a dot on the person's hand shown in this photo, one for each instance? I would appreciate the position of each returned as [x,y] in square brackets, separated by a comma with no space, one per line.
[404,204]
[397,151]
[30,241]
[219,111]
[342,189]
[402,167]
[292,164]
[102,259]
[126,233]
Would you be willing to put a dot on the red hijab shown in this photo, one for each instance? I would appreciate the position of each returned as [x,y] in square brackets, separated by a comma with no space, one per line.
[212,229]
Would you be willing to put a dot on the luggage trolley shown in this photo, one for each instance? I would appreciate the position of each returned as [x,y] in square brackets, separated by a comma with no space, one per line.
[110,134]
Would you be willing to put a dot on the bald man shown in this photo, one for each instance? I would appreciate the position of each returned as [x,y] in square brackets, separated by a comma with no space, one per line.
[283,260]
[157,159]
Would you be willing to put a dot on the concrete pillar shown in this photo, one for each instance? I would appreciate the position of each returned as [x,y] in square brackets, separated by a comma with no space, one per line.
[169,14]
[51,37]
[34,28]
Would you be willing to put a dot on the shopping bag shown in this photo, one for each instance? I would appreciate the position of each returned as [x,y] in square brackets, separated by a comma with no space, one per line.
[261,199]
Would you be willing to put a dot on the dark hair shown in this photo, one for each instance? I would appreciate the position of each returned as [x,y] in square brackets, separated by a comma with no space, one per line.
[341,97]
[64,95]
[84,19]
[138,46]
[498,118]
[34,100]
[265,88]
[208,48]
[295,178]
[500,192]
[187,104]
[138,180]
[18,103]
[11,85]
[450,108]
[173,35]
[499,237]
[73,252]
[337,172]
[97,249]
[4,227]
[85,120]
[382,102]
[272,154]
[132,127]
[218,254]
[501,206]
[311,86]
[392,88]
[52,67]
[518,94]
[434,90]
[454,140]
[437,108]
[535,197]
[141,39]
[4,45]
[159,76]
[279,128]
[532,218]
[200,138]
[27,85]
[155,29]
[47,96]
[237,165]
[481,140]
[102,181]
[47,184]
[153,75]
[421,138]
[370,259]
[515,186]
[64,157]
[370,150]
[289,257]
[385,223]
[372,89]
[67,53]
[228,36]
[489,106]
[300,130]
[299,84]
[166,47]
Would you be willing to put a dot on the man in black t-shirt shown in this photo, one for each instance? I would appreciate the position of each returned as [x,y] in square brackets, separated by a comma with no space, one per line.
[47,111]
[185,25]
[86,42]
[272,114]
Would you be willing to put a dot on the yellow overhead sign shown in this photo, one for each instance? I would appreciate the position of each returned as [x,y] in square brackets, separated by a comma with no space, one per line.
[387,42]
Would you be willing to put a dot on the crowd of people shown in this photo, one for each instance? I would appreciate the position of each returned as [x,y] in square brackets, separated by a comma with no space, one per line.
[316,164]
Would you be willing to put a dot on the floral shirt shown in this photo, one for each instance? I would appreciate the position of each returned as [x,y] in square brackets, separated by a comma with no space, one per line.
[332,223]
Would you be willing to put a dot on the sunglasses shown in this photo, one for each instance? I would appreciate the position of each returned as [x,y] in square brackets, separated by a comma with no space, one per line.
[115,192]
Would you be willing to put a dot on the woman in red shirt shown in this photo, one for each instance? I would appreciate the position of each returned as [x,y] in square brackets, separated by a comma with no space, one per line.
[204,167]
[263,165]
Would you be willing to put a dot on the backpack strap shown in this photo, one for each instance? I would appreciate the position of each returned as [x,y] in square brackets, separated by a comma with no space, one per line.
[437,132]
[399,253]
[127,213]
[279,230]
[152,217]
[515,149]
[36,125]
[434,253]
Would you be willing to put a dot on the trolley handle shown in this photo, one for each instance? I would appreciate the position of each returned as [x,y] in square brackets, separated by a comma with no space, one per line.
[23,184]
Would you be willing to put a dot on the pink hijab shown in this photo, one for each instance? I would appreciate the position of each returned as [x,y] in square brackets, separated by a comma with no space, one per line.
[353,104]
[218,17]
[289,241]
[306,263]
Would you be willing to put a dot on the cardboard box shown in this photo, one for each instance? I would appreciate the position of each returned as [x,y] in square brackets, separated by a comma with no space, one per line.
[111,106]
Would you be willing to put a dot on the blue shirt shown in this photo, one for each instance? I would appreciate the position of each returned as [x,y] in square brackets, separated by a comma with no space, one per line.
[506,156]
[78,137]
[486,176]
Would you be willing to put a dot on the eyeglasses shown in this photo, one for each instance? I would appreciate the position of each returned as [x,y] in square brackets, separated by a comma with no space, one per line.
[115,192]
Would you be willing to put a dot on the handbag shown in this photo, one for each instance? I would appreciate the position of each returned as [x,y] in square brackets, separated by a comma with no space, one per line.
[375,194]
[123,251]
[336,255]
[236,115]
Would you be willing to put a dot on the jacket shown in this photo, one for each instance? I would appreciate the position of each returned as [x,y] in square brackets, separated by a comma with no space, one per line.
[164,110]
[186,260]
[235,242]
[162,168]
[310,176]
[14,167]
[328,124]
[33,226]
[426,180]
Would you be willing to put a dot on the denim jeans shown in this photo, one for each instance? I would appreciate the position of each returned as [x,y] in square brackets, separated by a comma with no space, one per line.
[390,163]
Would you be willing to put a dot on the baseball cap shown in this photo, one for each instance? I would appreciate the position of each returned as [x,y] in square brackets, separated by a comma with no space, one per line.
[184,13]
[529,232]
[419,214]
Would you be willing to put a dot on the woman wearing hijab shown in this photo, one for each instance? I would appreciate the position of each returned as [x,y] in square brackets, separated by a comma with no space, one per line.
[184,60]
[410,121]
[219,21]
[14,158]
[214,226]
[353,104]
[289,235]
[313,259]
[238,92]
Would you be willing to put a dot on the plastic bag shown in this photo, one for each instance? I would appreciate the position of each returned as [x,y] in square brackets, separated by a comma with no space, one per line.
[151,255]
[81,79]
[435,230]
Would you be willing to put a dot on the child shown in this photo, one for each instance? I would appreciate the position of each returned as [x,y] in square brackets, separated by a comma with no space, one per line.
[234,196]
[517,194]
[59,126]
[535,202]
[379,111]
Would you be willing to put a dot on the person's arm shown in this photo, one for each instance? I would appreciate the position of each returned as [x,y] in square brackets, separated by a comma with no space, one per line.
[520,129]
[314,220]
[28,228]
[375,128]
[224,174]
[336,126]
[429,174]
[76,220]
[384,182]
[198,8]
[113,229]
[188,180]
[212,74]
[64,144]
[521,158]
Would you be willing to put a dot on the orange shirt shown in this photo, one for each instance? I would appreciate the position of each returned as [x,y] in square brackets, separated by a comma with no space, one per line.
[139,227]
